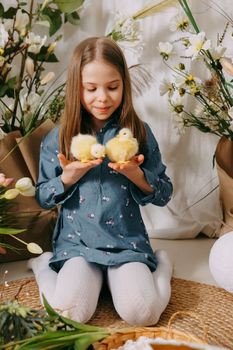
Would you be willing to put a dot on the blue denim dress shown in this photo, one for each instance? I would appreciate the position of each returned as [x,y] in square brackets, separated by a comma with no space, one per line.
[99,216]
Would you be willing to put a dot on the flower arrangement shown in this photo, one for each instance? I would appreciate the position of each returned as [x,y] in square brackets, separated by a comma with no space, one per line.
[44,329]
[25,99]
[24,187]
[127,28]
[213,94]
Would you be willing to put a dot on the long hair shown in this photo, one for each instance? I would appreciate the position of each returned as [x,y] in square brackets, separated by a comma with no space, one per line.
[75,119]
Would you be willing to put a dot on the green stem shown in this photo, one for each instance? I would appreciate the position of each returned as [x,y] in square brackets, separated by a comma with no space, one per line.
[37,112]
[22,68]
[186,8]
[18,239]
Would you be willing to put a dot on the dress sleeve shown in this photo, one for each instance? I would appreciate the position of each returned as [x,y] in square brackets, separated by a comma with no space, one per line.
[154,171]
[49,188]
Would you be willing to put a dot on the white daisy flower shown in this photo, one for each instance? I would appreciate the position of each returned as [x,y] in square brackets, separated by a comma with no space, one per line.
[197,42]
[179,22]
[217,52]
[165,87]
[165,50]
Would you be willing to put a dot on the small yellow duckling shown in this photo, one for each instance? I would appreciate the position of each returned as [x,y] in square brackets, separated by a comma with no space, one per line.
[123,147]
[86,147]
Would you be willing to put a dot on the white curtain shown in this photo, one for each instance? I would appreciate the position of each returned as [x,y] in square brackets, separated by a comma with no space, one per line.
[189,157]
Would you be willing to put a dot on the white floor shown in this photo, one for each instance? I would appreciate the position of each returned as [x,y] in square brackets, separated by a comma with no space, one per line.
[189,257]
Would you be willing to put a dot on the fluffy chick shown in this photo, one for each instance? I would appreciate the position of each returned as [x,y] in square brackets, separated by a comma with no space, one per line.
[85,148]
[98,150]
[122,147]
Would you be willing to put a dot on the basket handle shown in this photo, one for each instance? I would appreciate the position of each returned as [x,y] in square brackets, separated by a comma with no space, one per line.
[191,314]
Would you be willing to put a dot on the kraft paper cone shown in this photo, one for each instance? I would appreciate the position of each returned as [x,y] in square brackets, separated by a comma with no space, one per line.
[224,160]
[30,147]
[21,159]
[12,163]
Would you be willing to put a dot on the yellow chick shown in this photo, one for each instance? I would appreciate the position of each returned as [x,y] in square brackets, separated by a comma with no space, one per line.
[122,147]
[86,147]
[98,150]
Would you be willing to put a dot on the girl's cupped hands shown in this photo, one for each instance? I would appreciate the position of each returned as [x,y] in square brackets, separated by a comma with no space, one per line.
[128,167]
[74,170]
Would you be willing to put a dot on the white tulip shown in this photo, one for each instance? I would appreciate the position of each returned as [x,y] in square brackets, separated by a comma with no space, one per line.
[11,194]
[21,20]
[3,36]
[35,42]
[23,184]
[49,76]
[25,187]
[2,134]
[29,65]
[29,102]
[29,193]
[34,248]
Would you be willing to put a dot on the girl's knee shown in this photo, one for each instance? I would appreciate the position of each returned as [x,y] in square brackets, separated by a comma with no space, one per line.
[139,312]
[79,307]
[78,314]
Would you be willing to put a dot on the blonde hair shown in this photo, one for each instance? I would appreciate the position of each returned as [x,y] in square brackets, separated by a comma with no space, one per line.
[75,119]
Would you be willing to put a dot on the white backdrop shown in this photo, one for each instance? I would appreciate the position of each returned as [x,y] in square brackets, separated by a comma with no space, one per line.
[188,157]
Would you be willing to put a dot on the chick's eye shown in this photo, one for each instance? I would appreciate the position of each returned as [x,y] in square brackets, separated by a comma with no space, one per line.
[91,90]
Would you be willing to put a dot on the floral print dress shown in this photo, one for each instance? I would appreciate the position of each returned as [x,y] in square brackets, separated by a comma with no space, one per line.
[99,216]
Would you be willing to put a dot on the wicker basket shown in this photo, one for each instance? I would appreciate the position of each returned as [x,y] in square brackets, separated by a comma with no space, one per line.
[167,333]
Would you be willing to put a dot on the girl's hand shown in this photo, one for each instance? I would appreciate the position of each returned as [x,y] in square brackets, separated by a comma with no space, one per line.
[128,167]
[73,171]
[133,172]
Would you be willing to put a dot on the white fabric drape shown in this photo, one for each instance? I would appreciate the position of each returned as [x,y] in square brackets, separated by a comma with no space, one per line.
[188,157]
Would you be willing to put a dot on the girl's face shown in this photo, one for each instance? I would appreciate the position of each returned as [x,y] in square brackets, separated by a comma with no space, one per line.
[101,91]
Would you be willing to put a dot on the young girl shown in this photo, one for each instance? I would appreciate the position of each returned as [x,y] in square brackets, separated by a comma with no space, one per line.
[100,232]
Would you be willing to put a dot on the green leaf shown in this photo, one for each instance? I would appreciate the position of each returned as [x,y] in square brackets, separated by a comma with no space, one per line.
[43,56]
[86,340]
[10,87]
[52,16]
[1,10]
[49,340]
[51,312]
[3,90]
[68,6]
[8,246]
[81,326]
[72,18]
[10,231]
[11,82]
[10,13]
[228,84]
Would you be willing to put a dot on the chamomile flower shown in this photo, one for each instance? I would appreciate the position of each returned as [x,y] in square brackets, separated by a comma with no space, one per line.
[198,42]
[166,87]
[179,22]
[217,52]
[165,50]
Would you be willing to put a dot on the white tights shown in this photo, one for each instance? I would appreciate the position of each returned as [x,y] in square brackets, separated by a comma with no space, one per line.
[139,296]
